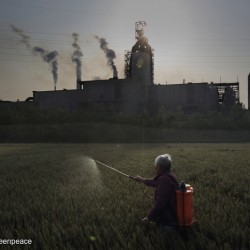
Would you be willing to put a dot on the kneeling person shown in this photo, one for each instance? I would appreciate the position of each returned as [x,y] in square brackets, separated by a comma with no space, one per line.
[165,183]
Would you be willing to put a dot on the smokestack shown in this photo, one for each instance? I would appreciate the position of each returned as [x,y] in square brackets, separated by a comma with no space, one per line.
[110,55]
[249,92]
[76,58]
[51,58]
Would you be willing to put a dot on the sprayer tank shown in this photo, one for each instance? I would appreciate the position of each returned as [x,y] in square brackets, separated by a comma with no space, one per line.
[184,206]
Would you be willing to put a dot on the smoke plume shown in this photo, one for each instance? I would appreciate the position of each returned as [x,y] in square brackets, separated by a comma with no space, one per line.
[76,56]
[25,38]
[110,54]
[49,57]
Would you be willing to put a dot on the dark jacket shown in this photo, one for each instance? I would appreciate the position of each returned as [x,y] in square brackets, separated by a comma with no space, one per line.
[164,209]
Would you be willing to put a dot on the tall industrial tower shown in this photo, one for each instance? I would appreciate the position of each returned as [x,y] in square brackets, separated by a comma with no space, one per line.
[139,63]
[248,92]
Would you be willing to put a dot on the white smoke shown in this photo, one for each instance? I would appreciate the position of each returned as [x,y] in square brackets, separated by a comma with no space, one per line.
[110,54]
[76,56]
[49,57]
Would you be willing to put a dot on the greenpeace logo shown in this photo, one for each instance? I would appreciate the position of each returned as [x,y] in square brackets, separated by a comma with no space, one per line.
[15,242]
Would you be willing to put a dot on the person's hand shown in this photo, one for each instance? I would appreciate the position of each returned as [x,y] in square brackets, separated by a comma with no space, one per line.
[145,221]
[138,178]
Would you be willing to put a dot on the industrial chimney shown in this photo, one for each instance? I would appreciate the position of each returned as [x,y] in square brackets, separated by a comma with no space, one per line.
[249,92]
[77,59]
[78,83]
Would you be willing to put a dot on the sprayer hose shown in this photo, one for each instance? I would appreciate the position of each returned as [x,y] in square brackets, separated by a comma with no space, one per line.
[151,197]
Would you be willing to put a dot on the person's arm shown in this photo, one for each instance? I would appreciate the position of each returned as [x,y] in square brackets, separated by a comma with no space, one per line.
[145,181]
[149,182]
[163,189]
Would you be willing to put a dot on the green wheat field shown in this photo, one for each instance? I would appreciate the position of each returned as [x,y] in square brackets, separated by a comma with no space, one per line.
[55,195]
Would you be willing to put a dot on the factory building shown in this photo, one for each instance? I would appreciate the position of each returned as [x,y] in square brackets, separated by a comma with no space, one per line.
[137,93]
[126,96]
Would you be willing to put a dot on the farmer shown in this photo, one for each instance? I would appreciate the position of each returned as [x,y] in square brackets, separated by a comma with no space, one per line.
[164,210]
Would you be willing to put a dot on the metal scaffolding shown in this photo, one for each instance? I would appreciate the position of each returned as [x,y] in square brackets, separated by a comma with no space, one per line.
[222,89]
[139,29]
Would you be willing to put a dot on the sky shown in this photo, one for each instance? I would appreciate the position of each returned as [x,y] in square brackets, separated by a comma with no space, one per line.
[195,40]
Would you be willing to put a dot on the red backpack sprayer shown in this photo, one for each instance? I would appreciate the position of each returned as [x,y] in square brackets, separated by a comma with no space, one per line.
[184,200]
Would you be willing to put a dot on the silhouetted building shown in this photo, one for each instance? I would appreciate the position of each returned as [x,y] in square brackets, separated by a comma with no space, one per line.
[126,96]
[137,92]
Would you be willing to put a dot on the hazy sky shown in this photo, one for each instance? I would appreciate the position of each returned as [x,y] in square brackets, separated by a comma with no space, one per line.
[195,40]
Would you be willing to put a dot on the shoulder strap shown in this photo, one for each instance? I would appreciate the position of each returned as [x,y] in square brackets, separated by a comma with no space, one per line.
[173,178]
[174,213]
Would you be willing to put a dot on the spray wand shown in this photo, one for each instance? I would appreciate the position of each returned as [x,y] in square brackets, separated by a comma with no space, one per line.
[119,172]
